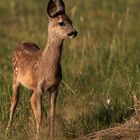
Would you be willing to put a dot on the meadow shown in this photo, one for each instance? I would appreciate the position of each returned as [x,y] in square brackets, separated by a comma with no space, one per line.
[101,67]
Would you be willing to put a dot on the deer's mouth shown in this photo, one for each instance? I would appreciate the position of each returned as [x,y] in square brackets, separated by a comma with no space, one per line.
[72,34]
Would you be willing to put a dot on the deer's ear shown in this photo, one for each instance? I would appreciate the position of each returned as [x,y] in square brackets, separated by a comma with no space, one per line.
[55,7]
[60,6]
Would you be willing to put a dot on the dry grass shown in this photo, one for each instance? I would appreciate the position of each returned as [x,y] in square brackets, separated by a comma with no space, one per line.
[127,131]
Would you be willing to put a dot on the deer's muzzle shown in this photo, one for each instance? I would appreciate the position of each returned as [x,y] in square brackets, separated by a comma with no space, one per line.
[72,34]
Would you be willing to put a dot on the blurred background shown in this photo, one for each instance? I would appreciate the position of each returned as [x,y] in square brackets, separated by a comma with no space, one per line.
[101,67]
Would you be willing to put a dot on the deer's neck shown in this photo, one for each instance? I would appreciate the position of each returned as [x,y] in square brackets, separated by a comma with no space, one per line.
[51,55]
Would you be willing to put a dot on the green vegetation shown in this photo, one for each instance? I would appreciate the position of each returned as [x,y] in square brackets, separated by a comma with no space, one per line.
[101,67]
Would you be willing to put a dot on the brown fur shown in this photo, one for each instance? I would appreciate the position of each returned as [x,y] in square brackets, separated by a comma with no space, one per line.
[40,70]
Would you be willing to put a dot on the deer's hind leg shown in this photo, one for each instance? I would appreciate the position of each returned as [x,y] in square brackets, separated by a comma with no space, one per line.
[14,101]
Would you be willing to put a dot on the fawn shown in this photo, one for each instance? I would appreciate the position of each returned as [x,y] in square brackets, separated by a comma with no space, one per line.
[40,70]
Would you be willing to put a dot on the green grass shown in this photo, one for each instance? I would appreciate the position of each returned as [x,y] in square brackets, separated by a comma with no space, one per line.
[102,63]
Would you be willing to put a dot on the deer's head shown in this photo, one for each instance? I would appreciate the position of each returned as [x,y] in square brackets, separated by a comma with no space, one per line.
[59,23]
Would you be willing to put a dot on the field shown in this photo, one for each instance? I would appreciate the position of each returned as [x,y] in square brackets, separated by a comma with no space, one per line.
[101,67]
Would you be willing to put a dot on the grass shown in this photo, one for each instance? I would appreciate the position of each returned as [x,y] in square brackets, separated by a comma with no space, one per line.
[102,64]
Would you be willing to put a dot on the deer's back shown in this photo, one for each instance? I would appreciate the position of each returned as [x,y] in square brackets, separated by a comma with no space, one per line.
[25,64]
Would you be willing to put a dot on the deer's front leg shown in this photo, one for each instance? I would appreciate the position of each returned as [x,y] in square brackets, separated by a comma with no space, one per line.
[36,107]
[53,97]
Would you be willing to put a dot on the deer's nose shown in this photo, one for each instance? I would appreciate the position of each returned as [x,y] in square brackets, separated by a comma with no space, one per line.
[75,33]
[72,34]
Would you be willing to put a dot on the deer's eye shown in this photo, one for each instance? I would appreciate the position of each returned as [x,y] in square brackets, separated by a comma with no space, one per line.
[61,24]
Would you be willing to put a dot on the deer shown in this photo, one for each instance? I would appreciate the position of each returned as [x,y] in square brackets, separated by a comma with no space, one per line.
[40,70]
